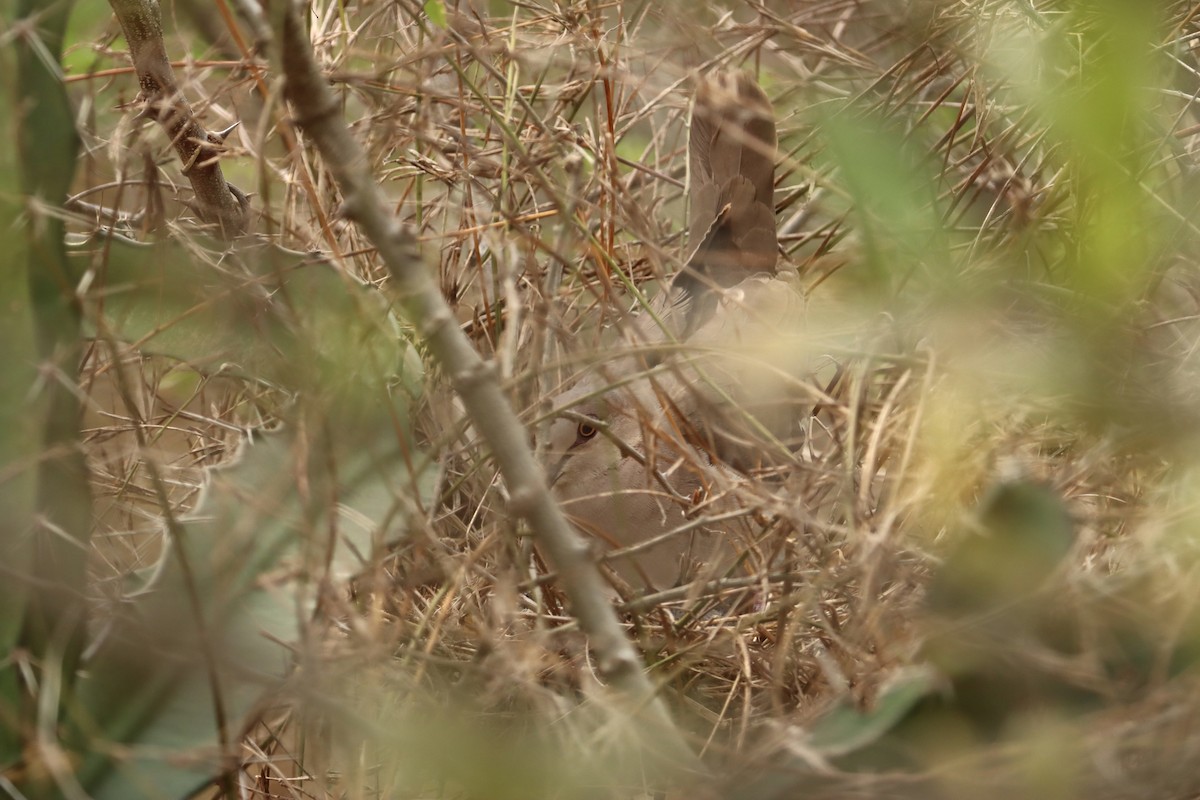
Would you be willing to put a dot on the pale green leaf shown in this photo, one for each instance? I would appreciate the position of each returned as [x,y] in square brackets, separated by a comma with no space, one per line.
[436,11]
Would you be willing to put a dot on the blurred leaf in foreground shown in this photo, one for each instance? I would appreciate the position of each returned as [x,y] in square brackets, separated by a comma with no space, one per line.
[44,494]
[204,636]
[258,310]
[19,445]
[989,610]
[200,638]
[986,608]
[1025,533]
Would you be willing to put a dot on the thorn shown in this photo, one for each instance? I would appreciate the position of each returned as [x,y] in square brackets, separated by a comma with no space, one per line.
[219,137]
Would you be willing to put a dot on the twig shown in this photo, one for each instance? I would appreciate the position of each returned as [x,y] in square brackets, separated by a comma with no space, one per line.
[218,202]
[318,113]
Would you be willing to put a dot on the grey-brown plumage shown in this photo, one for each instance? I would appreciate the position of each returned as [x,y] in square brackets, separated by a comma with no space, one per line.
[731,163]
[731,155]
[729,361]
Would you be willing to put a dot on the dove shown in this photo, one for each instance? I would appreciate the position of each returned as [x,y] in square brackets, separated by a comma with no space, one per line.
[645,449]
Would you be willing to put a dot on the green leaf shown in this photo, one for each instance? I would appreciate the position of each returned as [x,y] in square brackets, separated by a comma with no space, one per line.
[846,729]
[892,193]
[436,11]
[1026,532]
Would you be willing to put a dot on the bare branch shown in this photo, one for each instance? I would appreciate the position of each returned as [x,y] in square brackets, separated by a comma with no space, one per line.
[218,202]
[319,114]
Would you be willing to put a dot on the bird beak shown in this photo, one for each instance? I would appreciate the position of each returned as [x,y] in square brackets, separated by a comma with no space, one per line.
[554,466]
[553,470]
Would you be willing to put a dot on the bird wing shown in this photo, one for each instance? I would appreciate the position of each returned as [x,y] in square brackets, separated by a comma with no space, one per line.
[731,158]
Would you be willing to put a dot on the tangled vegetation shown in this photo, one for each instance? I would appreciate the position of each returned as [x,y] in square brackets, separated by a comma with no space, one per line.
[271,532]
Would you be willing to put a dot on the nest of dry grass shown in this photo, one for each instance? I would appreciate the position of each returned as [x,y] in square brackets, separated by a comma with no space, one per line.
[540,156]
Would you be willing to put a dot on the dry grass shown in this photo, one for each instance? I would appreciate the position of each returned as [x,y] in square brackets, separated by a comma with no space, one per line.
[539,152]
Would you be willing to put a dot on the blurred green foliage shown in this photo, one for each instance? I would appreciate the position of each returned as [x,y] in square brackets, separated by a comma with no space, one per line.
[47,498]
[200,636]
[19,441]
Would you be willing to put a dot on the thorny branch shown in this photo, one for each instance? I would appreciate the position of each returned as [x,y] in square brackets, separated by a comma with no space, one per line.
[318,113]
[218,202]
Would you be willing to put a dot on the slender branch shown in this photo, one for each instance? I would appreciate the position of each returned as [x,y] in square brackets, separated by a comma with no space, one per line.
[318,113]
[218,202]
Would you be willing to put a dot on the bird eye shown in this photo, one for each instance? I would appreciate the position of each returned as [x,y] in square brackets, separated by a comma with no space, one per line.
[585,431]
